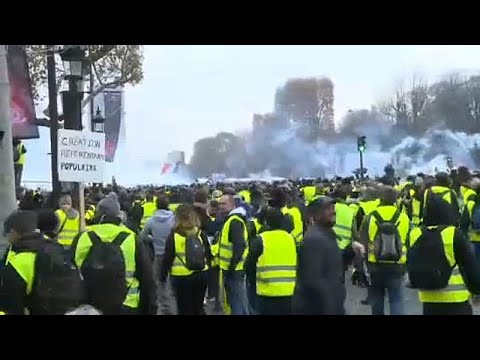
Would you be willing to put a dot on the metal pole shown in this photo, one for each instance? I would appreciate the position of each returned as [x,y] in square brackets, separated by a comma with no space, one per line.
[7,175]
[53,113]
[92,104]
[72,110]
[361,166]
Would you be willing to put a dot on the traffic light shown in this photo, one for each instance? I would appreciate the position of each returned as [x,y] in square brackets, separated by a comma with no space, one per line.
[362,143]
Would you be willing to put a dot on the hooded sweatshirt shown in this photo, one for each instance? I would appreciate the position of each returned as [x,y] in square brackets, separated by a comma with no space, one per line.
[159,226]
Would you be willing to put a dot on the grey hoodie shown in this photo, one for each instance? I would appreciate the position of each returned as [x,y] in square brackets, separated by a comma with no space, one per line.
[158,227]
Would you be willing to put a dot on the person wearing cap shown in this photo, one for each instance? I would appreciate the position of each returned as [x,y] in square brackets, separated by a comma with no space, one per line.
[216,195]
[270,268]
[319,289]
[141,297]
[69,220]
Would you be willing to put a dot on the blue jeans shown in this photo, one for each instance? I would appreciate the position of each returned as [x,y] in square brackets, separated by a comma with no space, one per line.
[236,292]
[377,291]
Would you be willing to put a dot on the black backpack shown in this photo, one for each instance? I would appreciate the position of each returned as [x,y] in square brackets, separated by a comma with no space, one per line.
[105,273]
[58,286]
[387,243]
[194,253]
[436,200]
[427,265]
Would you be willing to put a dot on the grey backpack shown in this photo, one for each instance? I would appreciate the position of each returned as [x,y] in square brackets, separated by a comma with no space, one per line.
[387,243]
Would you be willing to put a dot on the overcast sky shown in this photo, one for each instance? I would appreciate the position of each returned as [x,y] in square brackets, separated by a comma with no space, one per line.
[189,92]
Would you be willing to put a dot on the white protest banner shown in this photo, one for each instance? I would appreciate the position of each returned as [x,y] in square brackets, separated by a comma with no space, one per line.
[81,156]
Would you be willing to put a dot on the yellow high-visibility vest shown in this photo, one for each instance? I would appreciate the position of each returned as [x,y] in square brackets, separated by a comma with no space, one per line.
[107,233]
[343,225]
[456,291]
[277,266]
[226,247]
[69,230]
[179,268]
[296,215]
[403,226]
[149,209]
[23,156]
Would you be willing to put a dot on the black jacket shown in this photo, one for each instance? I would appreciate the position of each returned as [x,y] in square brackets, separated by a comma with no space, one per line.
[466,261]
[319,289]
[143,273]
[255,250]
[13,289]
[169,255]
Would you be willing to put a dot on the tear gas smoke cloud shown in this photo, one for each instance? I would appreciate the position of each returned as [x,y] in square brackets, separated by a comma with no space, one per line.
[283,153]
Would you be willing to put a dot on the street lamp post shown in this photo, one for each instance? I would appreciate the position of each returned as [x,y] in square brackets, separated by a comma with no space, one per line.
[98,122]
[53,114]
[75,64]
[98,126]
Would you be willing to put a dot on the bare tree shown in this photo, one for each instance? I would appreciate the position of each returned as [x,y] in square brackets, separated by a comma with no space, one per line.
[396,109]
[418,101]
[473,97]
[113,65]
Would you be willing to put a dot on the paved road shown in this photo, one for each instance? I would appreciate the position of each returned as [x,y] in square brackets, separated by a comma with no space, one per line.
[355,294]
[352,304]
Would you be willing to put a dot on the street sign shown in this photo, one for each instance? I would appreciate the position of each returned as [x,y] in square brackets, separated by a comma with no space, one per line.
[81,156]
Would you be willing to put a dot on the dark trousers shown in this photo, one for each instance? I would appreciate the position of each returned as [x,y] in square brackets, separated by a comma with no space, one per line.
[164,296]
[447,308]
[190,293]
[18,175]
[214,287]
[274,305]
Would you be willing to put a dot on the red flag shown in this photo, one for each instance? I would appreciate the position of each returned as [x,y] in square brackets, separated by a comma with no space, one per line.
[166,167]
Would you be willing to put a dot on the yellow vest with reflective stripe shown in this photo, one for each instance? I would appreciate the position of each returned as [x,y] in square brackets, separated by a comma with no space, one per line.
[387,213]
[70,229]
[466,194]
[108,233]
[447,194]
[179,268]
[225,246]
[472,235]
[23,157]
[277,266]
[24,265]
[355,208]
[456,291]
[90,214]
[148,210]
[369,206]
[257,224]
[246,196]
[296,215]
[415,208]
[174,207]
[343,225]
[308,193]
[215,249]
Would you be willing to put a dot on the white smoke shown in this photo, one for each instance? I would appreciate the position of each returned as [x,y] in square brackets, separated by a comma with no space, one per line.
[282,153]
